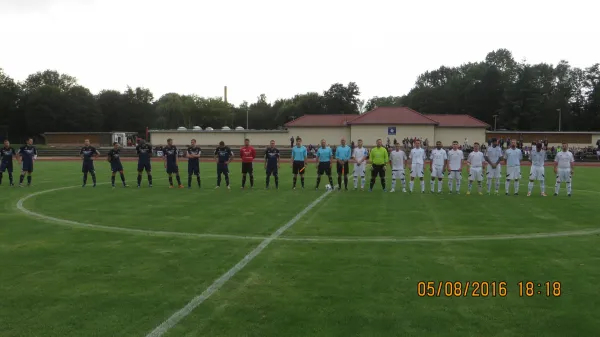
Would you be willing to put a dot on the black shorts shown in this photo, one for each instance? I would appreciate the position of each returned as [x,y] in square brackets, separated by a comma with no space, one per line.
[193,168]
[272,170]
[6,166]
[247,168]
[222,168]
[172,168]
[297,165]
[27,166]
[116,167]
[378,170]
[88,167]
[345,166]
[144,165]
[324,168]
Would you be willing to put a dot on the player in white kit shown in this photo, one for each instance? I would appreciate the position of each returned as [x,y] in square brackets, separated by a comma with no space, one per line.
[437,165]
[417,160]
[563,167]
[513,166]
[360,155]
[397,162]
[493,156]
[475,162]
[455,166]
[537,157]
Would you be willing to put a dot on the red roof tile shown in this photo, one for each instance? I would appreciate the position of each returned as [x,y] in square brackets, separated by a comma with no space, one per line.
[321,120]
[391,116]
[463,121]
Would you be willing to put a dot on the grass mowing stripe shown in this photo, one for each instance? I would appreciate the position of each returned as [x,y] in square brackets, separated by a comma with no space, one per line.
[218,283]
[324,239]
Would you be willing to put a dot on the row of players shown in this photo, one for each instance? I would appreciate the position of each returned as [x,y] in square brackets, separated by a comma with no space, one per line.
[379,157]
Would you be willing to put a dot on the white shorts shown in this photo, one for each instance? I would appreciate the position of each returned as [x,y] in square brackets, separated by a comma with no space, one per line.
[513,172]
[536,173]
[416,171]
[494,173]
[476,173]
[398,174]
[598,152]
[455,175]
[359,169]
[563,175]
[437,171]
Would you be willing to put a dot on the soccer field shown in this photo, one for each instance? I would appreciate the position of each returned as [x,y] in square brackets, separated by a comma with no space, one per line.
[121,262]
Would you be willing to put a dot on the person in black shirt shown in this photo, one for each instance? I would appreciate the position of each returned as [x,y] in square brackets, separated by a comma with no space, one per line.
[88,153]
[272,164]
[144,152]
[193,155]
[223,155]
[170,155]
[27,155]
[7,155]
[114,158]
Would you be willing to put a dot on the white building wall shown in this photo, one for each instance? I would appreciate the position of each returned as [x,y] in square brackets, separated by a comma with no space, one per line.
[370,133]
[448,135]
[313,135]
[212,138]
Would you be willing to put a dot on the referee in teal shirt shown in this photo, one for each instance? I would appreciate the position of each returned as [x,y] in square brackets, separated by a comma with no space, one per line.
[299,158]
[342,155]
[324,156]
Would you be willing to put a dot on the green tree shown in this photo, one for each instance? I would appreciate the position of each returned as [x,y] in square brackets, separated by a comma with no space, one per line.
[341,99]
[9,98]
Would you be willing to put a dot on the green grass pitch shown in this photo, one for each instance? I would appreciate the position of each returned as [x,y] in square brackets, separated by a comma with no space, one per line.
[349,267]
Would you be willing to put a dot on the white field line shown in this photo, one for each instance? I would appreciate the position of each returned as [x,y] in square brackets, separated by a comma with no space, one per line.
[218,283]
[20,206]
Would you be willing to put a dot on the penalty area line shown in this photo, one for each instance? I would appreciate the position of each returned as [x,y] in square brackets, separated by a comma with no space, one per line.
[218,283]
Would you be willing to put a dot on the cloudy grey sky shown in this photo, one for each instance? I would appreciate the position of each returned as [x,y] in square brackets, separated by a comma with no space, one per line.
[282,47]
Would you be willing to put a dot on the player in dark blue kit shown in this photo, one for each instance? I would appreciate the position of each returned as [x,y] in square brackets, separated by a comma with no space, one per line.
[7,155]
[114,158]
[170,155]
[224,156]
[27,154]
[144,152]
[272,164]
[193,155]
[88,153]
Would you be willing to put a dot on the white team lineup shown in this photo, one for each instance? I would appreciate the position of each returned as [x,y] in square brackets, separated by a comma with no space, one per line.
[450,164]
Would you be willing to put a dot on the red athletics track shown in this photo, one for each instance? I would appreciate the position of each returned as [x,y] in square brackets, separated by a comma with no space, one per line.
[284,160]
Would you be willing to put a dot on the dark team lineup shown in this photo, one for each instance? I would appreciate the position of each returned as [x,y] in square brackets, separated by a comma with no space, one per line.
[379,157]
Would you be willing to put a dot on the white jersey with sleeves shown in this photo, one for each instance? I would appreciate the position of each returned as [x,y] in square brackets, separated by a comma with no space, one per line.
[455,158]
[538,158]
[360,153]
[397,158]
[564,159]
[513,157]
[494,154]
[438,157]
[476,159]
[417,156]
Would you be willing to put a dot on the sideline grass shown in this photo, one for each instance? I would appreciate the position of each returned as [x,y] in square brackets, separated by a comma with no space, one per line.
[63,281]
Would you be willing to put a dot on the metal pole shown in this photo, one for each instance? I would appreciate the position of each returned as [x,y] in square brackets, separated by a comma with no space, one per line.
[495,120]
[247,119]
[559,118]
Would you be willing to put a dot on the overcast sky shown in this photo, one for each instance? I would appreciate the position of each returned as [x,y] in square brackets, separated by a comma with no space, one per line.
[282,47]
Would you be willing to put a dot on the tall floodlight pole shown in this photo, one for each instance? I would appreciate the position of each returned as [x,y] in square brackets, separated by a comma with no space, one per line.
[495,120]
[559,118]
[247,118]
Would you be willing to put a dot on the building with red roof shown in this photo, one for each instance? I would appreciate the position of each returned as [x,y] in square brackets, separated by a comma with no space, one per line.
[388,122]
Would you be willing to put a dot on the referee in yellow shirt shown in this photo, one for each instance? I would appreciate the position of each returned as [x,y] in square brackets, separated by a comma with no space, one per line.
[378,157]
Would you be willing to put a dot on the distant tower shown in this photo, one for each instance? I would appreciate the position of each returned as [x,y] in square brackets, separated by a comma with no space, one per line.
[225,94]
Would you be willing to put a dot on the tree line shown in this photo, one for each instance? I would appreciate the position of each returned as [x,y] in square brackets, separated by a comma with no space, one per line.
[498,90]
